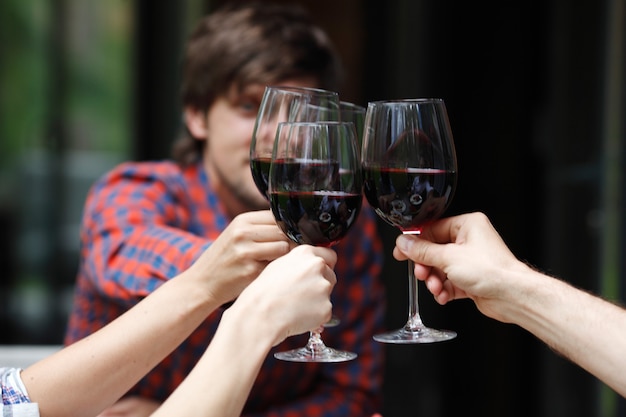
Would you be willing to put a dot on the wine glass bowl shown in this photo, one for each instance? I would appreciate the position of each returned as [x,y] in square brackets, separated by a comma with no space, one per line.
[409,175]
[285,104]
[315,195]
[351,112]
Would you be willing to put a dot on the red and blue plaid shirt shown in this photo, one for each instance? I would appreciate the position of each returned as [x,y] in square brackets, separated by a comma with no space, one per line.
[146,222]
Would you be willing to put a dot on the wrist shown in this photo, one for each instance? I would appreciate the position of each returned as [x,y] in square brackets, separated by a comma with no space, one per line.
[249,327]
[197,295]
[525,294]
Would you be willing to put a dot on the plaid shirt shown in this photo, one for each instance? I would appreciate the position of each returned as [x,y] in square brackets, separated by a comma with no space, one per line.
[15,401]
[146,222]
[12,387]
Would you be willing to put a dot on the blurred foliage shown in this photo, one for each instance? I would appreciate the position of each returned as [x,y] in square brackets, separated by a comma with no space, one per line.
[67,100]
[99,68]
[82,82]
[23,75]
[65,117]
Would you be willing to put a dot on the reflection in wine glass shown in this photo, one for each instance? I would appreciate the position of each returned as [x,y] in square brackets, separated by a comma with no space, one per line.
[285,104]
[350,112]
[409,177]
[354,113]
[315,195]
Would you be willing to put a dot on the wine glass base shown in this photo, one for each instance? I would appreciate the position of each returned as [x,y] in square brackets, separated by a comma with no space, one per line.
[307,355]
[421,335]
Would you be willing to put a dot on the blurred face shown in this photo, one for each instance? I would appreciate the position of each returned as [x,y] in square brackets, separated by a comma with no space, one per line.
[227,128]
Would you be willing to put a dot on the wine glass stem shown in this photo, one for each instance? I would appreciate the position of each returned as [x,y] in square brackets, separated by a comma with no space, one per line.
[414,322]
[315,343]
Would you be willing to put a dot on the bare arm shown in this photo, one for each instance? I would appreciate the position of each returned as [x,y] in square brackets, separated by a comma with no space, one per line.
[290,297]
[464,257]
[584,328]
[91,374]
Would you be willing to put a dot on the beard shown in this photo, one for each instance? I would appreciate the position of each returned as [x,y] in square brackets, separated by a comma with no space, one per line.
[242,189]
[251,200]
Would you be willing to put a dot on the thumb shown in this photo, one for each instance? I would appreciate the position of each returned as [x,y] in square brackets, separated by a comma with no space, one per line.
[421,251]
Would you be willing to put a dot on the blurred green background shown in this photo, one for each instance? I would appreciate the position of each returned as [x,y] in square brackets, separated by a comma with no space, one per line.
[536,94]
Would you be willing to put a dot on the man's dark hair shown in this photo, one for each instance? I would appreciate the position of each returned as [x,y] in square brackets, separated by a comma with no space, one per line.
[245,43]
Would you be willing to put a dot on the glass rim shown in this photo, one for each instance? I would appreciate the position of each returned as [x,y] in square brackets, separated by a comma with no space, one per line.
[407,100]
[297,89]
[320,123]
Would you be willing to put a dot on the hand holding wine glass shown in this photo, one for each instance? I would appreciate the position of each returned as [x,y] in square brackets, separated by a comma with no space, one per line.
[315,195]
[410,173]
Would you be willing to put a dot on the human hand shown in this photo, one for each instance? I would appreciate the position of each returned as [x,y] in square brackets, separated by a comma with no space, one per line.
[131,407]
[292,295]
[239,254]
[461,257]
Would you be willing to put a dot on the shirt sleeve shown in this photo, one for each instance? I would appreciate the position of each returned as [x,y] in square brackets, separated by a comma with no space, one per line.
[134,234]
[13,389]
[15,400]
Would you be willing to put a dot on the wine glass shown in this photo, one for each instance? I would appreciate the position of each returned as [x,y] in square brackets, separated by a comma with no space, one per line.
[354,113]
[285,104]
[409,177]
[315,195]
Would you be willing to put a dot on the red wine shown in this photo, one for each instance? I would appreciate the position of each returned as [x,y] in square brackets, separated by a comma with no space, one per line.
[307,174]
[408,198]
[319,218]
[260,168]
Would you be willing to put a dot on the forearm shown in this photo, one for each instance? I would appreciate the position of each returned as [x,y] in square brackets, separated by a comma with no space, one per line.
[220,383]
[94,372]
[586,329]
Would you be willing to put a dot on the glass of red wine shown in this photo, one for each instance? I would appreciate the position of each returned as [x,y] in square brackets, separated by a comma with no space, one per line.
[315,193]
[409,177]
[285,104]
